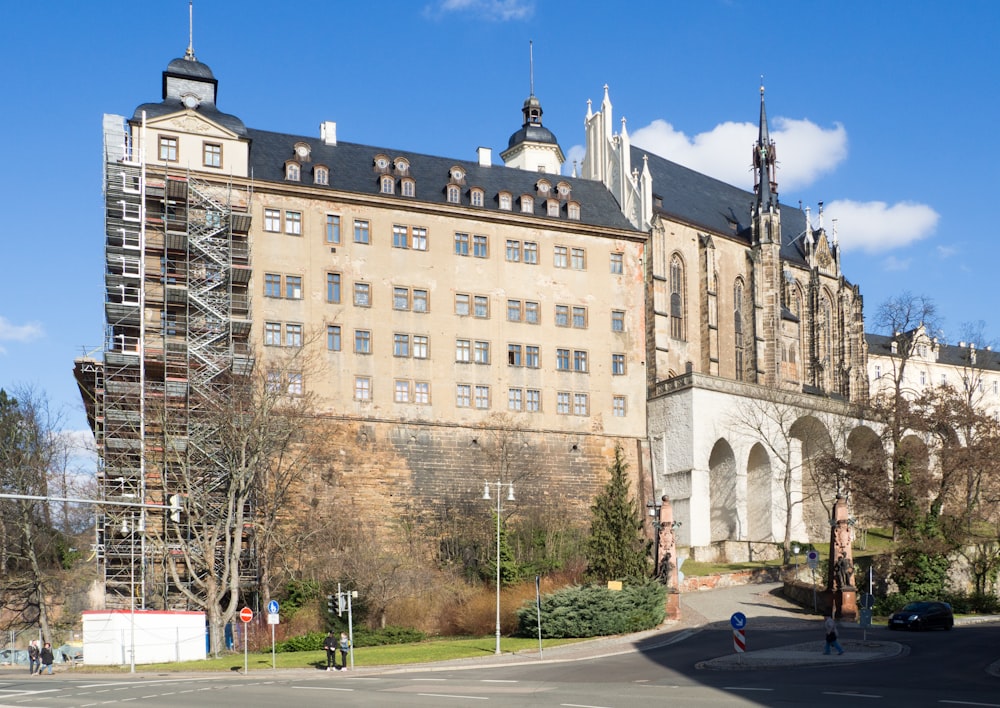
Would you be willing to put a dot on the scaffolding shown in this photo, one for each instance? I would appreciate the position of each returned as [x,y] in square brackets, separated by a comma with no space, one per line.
[177,326]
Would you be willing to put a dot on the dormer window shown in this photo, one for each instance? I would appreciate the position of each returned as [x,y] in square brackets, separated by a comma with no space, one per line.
[573,211]
[293,171]
[407,187]
[454,194]
[387,185]
[381,164]
[506,200]
[321,175]
[552,207]
[543,187]
[477,197]
[402,166]
[302,152]
[563,190]
[457,175]
[527,204]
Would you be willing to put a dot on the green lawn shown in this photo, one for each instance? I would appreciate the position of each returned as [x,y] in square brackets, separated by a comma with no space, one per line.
[427,651]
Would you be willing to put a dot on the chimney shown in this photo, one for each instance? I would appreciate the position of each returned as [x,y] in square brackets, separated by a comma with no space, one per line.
[485,157]
[328,132]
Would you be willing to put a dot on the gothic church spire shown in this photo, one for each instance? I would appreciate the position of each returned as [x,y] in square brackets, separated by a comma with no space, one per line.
[764,164]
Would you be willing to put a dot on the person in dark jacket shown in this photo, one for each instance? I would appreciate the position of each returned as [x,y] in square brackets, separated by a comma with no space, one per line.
[330,644]
[33,663]
[46,658]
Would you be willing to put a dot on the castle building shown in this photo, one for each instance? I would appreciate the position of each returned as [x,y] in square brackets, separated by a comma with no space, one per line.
[452,300]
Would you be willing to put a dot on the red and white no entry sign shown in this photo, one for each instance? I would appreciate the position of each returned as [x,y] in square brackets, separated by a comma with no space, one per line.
[246,614]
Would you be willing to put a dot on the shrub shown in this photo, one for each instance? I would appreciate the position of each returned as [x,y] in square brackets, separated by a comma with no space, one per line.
[313,641]
[592,611]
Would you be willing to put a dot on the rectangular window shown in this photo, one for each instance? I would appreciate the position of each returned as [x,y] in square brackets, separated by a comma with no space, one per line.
[513,251]
[294,383]
[422,392]
[420,346]
[482,306]
[418,238]
[580,361]
[514,352]
[531,312]
[462,244]
[362,341]
[562,315]
[401,394]
[482,352]
[293,287]
[562,359]
[400,237]
[578,259]
[515,399]
[272,334]
[273,382]
[480,246]
[362,388]
[531,356]
[618,406]
[559,257]
[463,395]
[533,400]
[514,310]
[420,300]
[401,345]
[332,228]
[333,287]
[362,294]
[463,350]
[462,302]
[923,375]
[361,234]
[400,298]
[293,335]
[333,338]
[272,220]
[617,263]
[580,317]
[562,402]
[272,285]
[617,364]
[617,320]
[531,252]
[168,148]
[212,155]
[293,223]
[482,397]
[581,404]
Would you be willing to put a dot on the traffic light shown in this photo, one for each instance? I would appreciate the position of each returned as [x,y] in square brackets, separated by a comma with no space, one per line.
[175,507]
[331,606]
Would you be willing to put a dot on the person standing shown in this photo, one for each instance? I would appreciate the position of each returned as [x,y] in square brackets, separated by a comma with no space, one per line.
[33,663]
[46,658]
[345,649]
[330,644]
[831,636]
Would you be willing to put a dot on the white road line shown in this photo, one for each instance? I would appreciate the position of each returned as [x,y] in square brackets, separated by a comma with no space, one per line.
[969,703]
[745,688]
[323,688]
[849,694]
[143,683]
[429,679]
[454,695]
[580,705]
[499,680]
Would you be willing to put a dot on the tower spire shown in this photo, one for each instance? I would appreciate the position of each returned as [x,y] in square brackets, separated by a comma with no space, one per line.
[764,161]
[189,54]
[531,68]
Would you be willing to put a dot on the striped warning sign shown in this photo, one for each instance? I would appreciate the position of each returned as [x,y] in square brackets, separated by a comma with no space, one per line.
[739,641]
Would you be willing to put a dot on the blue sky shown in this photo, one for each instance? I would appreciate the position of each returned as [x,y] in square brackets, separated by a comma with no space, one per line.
[886,111]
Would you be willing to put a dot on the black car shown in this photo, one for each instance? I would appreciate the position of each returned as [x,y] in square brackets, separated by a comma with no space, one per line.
[923,615]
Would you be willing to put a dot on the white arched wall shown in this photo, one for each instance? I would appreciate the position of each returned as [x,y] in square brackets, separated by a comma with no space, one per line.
[724,500]
[760,495]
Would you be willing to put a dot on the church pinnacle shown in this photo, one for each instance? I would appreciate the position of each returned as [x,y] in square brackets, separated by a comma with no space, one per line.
[764,163]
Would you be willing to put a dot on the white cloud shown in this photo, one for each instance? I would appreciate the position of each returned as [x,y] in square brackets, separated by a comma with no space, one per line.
[876,226]
[19,333]
[946,251]
[805,150]
[498,10]
[896,264]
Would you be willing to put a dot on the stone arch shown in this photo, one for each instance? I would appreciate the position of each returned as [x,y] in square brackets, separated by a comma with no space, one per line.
[760,495]
[723,507]
[818,479]
[867,458]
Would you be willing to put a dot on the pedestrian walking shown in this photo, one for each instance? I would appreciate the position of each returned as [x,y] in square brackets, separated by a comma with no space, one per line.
[46,658]
[345,649]
[33,664]
[831,636]
[330,644]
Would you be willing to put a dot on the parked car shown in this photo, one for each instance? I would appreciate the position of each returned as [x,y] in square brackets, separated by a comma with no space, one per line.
[923,615]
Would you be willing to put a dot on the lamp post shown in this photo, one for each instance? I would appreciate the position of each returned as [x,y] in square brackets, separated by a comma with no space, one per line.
[510,497]
[795,550]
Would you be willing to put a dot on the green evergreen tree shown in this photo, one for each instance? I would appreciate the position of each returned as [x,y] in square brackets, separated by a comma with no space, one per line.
[616,547]
[510,571]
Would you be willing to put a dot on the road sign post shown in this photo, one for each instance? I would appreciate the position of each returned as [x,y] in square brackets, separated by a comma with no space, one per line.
[272,619]
[246,614]
[739,623]
[812,558]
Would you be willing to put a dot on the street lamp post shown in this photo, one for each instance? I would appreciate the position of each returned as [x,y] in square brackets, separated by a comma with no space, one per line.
[510,497]
[795,550]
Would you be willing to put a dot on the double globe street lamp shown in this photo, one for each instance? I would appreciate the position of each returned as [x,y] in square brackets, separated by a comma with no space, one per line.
[510,497]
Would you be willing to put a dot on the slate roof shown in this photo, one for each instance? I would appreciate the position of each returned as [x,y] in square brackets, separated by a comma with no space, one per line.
[207,109]
[715,206]
[948,354]
[352,170]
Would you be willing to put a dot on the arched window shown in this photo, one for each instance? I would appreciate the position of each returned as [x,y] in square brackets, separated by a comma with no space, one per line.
[292,171]
[388,185]
[738,327]
[321,175]
[676,297]
[454,195]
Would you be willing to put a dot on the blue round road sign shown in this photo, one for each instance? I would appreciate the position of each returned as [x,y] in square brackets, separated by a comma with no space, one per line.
[738,620]
[272,607]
